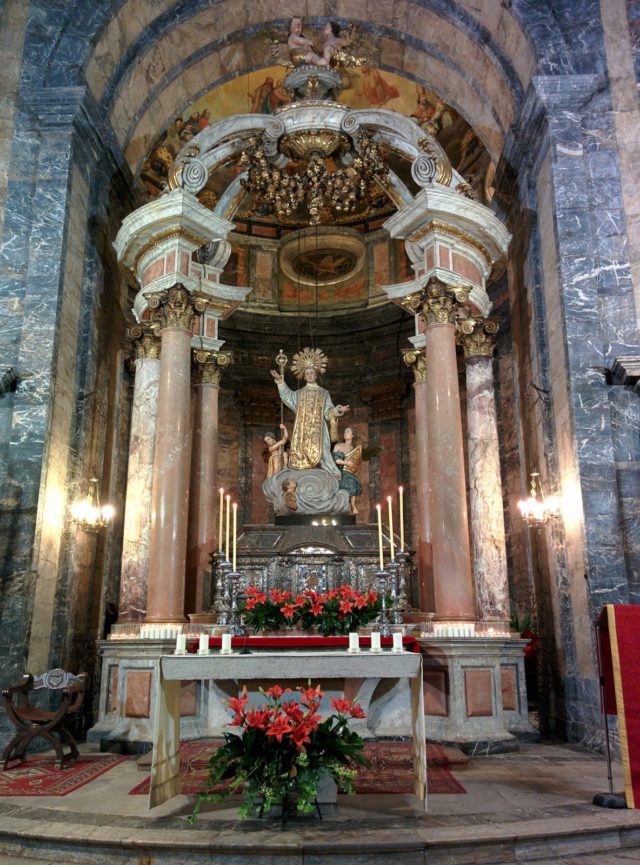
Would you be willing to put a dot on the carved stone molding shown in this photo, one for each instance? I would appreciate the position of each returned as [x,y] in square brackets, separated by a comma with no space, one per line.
[208,366]
[415,359]
[626,371]
[177,307]
[477,336]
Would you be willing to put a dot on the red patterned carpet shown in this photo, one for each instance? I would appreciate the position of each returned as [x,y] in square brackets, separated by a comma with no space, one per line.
[39,776]
[391,769]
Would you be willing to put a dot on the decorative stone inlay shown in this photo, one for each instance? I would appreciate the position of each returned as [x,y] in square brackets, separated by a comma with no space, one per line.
[177,307]
[509,687]
[435,693]
[208,366]
[137,702]
[415,359]
[439,304]
[477,336]
[477,689]
[147,340]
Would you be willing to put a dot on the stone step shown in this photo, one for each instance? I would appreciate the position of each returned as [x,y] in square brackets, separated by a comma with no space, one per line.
[46,835]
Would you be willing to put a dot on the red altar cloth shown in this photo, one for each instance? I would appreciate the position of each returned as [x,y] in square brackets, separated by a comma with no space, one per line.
[620,656]
[302,642]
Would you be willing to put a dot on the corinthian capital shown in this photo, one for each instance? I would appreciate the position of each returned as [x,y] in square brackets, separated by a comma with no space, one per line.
[477,336]
[441,304]
[209,365]
[177,307]
[146,339]
[415,359]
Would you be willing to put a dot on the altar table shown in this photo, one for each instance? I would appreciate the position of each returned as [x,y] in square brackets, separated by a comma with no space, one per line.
[298,666]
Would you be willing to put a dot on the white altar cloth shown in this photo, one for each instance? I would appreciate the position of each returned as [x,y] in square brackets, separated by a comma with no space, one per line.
[298,666]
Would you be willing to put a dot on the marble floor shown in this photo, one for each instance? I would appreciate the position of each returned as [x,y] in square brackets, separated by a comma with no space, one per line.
[530,806]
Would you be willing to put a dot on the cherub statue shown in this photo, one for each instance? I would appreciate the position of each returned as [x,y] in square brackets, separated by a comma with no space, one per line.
[275,453]
[338,47]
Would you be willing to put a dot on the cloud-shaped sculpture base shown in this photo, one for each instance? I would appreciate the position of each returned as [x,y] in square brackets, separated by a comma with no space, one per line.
[316,493]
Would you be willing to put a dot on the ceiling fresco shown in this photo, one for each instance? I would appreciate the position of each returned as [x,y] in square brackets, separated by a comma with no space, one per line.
[365,87]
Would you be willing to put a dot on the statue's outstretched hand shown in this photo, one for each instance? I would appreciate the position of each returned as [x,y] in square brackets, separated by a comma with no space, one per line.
[276,375]
[342,409]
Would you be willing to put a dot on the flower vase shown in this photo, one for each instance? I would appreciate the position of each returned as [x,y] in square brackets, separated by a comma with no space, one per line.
[326,797]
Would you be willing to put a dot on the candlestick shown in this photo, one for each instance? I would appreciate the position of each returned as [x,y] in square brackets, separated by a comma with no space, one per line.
[391,552]
[181,644]
[397,642]
[220,516]
[354,642]
[226,543]
[235,531]
[379,509]
[375,641]
[401,497]
[226,644]
[203,644]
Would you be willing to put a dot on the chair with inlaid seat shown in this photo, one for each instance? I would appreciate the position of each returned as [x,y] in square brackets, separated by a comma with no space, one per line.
[31,721]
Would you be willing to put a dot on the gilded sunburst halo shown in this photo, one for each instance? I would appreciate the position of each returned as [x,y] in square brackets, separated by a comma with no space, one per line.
[309,358]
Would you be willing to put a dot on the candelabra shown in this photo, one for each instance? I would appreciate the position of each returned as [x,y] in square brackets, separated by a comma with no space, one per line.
[222,590]
[396,615]
[236,629]
[382,578]
[403,562]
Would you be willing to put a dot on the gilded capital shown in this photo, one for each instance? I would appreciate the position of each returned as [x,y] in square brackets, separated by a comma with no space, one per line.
[209,365]
[177,307]
[440,304]
[416,360]
[477,336]
[146,338]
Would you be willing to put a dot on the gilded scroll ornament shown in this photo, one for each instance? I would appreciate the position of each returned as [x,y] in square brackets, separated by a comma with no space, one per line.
[477,336]
[177,307]
[209,365]
[415,359]
[146,340]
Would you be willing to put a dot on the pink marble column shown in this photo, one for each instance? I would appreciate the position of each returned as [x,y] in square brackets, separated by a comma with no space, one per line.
[137,512]
[486,504]
[208,367]
[416,359]
[453,583]
[171,469]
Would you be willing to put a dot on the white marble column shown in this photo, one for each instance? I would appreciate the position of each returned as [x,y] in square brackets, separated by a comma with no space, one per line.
[485,484]
[415,358]
[208,367]
[452,578]
[137,512]
[171,469]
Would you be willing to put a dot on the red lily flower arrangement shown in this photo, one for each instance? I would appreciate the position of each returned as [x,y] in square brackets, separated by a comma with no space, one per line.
[283,745]
[335,612]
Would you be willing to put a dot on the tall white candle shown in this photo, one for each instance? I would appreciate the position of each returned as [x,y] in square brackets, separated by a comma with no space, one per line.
[235,532]
[226,644]
[375,641]
[226,543]
[379,509]
[203,644]
[391,551]
[181,644]
[220,518]
[397,641]
[401,500]
[354,642]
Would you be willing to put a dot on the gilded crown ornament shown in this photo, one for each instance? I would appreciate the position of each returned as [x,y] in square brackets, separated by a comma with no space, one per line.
[309,358]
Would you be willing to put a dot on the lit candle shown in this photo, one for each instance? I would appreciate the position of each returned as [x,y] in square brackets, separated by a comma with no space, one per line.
[181,644]
[226,644]
[226,543]
[379,509]
[391,553]
[354,642]
[220,516]
[203,644]
[401,497]
[397,641]
[235,532]
[375,641]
